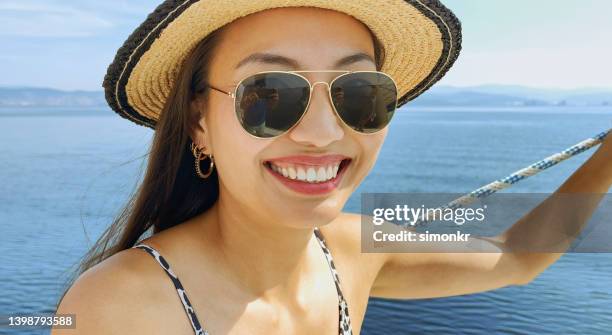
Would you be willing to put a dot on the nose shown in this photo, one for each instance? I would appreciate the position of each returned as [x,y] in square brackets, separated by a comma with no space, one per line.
[319,126]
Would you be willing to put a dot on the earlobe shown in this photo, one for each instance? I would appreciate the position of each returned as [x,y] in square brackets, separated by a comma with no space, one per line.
[196,113]
[198,128]
[199,136]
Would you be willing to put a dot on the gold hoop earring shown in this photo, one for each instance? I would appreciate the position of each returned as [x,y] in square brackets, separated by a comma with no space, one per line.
[200,156]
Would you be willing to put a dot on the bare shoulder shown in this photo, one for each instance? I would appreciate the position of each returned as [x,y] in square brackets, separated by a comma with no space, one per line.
[111,297]
[343,236]
[344,232]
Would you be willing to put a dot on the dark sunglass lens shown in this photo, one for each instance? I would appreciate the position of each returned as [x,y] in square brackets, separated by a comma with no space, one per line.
[268,104]
[365,101]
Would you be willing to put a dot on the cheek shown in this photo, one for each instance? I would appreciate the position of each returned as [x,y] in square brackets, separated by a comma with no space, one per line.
[237,154]
[372,144]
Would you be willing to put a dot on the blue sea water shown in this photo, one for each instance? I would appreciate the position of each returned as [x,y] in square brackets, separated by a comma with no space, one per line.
[64,174]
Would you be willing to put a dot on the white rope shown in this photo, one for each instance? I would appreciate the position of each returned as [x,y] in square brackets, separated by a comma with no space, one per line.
[523,173]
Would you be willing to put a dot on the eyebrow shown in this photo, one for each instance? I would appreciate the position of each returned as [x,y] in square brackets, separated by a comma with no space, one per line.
[268,58]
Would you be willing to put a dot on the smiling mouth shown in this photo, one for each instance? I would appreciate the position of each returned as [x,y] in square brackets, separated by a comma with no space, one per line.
[309,174]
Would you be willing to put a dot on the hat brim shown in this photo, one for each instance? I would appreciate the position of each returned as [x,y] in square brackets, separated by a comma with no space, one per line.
[421,41]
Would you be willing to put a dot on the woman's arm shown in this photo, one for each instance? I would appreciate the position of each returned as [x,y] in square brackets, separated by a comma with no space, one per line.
[550,228]
[564,214]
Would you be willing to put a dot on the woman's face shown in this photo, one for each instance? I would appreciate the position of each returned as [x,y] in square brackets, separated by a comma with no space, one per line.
[250,169]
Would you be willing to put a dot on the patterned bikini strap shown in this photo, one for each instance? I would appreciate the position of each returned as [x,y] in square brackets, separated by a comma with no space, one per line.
[195,323]
[345,320]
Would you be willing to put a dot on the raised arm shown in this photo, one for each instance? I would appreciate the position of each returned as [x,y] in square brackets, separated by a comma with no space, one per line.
[549,228]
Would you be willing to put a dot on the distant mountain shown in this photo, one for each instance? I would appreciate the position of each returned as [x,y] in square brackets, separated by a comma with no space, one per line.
[510,95]
[437,96]
[46,97]
[540,93]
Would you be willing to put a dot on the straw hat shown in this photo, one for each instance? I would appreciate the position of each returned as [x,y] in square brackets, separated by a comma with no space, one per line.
[421,41]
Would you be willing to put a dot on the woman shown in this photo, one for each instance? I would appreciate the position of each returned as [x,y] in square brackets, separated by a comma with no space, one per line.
[247,226]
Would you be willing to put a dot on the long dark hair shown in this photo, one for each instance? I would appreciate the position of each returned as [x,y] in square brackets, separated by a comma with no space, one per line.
[171,192]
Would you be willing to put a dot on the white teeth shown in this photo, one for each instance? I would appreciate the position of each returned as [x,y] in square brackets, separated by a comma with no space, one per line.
[321,174]
[301,174]
[311,175]
[308,174]
[292,173]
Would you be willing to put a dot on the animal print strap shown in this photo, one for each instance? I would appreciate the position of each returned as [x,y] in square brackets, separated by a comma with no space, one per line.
[345,321]
[195,323]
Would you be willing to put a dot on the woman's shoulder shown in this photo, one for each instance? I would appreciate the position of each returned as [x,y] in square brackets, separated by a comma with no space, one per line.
[357,270]
[343,236]
[344,231]
[344,228]
[112,296]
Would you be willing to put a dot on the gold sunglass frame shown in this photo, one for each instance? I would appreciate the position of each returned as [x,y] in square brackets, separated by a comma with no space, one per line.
[233,94]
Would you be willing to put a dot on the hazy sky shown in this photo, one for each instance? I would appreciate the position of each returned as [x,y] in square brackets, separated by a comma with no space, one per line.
[68,44]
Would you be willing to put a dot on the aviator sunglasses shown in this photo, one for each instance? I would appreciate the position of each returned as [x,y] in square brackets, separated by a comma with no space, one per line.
[269,104]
